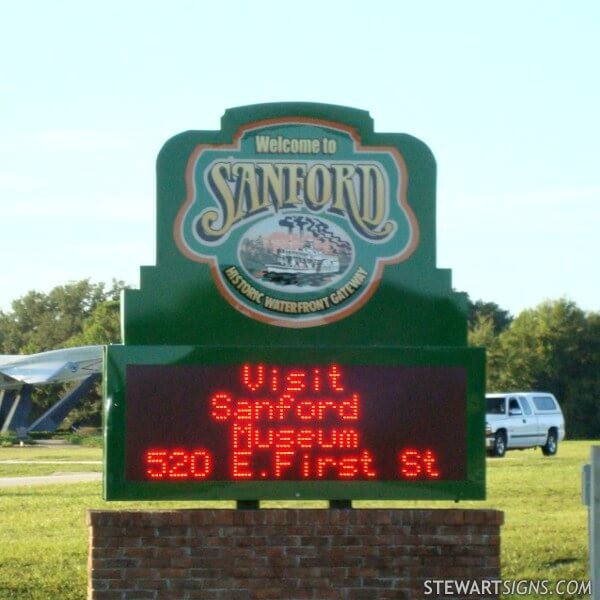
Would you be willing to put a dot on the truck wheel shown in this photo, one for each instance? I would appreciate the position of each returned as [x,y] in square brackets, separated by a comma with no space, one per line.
[551,446]
[499,448]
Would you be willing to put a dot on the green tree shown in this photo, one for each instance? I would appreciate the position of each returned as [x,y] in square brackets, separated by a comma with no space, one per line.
[40,322]
[483,335]
[555,347]
[103,326]
[500,318]
[541,348]
[486,320]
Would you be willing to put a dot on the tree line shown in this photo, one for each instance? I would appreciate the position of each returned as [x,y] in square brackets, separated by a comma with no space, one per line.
[554,347]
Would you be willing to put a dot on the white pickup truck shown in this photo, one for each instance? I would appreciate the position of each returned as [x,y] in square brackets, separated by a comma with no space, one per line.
[523,420]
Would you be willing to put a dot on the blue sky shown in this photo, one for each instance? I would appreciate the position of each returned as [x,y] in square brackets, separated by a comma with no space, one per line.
[506,94]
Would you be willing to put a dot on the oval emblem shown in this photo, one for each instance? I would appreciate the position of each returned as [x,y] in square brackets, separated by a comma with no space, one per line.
[297,219]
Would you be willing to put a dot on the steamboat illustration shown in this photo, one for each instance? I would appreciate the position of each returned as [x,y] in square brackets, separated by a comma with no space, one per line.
[311,252]
[304,265]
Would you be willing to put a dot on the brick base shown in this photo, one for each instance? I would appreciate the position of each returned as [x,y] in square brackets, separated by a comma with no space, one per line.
[287,554]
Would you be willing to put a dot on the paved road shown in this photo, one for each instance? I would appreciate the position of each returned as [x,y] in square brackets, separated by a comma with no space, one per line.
[47,479]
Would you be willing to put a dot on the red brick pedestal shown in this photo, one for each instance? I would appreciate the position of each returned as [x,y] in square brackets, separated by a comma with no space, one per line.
[287,554]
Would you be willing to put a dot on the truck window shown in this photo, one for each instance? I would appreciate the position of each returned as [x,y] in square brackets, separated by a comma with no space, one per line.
[513,404]
[525,405]
[544,403]
[495,406]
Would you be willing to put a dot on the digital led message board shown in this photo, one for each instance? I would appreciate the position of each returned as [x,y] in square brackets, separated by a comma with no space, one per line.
[267,429]
[273,422]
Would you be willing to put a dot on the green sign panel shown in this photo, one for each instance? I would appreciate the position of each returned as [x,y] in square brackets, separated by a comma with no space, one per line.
[295,338]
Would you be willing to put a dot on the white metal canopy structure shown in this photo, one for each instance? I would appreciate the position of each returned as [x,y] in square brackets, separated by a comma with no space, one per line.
[55,366]
[18,373]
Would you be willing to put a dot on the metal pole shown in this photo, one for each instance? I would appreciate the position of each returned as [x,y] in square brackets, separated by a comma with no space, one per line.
[594,522]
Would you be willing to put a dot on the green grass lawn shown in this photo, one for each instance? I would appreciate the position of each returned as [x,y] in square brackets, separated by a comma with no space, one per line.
[64,459]
[41,452]
[43,536]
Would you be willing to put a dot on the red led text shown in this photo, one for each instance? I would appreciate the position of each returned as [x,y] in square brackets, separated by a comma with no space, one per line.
[416,464]
[293,423]
[178,464]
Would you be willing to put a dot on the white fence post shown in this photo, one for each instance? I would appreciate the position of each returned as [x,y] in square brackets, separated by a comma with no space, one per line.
[591,497]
